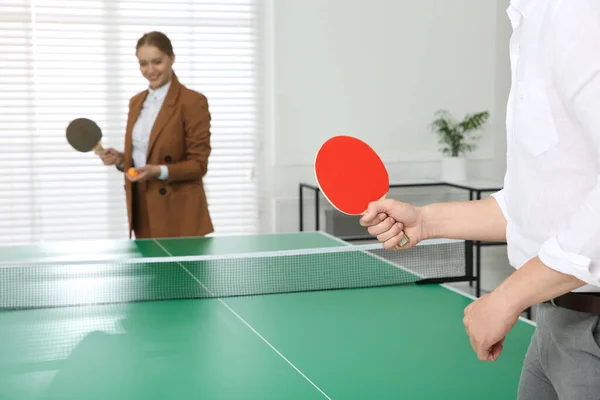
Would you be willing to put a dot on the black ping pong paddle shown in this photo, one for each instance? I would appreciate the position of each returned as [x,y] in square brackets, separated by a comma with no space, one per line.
[85,135]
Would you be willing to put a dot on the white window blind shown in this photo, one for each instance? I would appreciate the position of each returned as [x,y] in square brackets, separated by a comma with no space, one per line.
[64,59]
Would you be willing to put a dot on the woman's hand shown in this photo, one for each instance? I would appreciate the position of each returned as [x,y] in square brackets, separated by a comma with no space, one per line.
[143,173]
[111,156]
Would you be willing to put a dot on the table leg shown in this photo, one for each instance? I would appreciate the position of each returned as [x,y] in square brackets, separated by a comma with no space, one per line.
[317,211]
[478,258]
[301,207]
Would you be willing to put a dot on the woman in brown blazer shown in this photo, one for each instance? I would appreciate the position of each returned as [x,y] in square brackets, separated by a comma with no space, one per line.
[167,144]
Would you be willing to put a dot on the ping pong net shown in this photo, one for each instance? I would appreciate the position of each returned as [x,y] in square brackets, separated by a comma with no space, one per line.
[56,283]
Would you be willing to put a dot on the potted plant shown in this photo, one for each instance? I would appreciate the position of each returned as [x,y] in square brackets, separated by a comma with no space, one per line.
[457,139]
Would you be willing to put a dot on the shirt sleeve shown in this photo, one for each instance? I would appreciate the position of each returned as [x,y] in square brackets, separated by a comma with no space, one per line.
[164,173]
[500,199]
[575,250]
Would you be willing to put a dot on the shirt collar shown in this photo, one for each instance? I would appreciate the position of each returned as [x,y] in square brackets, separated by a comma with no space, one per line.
[523,6]
[519,10]
[161,92]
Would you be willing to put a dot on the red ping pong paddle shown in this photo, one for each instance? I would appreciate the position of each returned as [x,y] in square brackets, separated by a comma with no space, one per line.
[350,175]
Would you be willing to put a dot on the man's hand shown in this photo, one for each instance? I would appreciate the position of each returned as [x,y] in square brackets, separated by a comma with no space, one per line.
[487,321]
[489,318]
[393,222]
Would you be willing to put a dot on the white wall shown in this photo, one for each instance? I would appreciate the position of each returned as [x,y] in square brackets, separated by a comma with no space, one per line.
[377,69]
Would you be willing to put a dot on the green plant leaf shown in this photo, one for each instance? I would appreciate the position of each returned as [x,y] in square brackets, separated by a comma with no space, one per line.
[455,135]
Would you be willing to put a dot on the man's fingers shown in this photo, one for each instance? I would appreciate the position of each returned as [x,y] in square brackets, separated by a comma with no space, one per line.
[484,353]
[487,352]
[375,210]
[496,350]
[371,221]
[468,308]
[394,242]
[382,226]
[386,224]
[393,231]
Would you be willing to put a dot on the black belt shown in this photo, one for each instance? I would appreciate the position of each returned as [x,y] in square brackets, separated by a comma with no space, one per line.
[587,302]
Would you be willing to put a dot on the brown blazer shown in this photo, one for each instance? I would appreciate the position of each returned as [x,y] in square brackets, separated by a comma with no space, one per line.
[180,139]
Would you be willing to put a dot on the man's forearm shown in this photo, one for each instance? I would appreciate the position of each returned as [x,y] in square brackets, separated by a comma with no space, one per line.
[466,220]
[535,283]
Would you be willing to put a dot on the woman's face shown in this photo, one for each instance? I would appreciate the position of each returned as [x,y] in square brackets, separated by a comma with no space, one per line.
[155,65]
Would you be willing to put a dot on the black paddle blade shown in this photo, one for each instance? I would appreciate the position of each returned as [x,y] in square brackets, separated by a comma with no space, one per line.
[84,134]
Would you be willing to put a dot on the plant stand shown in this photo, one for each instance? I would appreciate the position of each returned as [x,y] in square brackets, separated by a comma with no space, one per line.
[454,169]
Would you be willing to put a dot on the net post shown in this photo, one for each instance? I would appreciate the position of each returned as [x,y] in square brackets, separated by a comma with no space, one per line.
[469,262]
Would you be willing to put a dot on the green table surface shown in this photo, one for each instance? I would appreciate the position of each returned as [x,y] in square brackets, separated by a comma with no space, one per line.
[397,342]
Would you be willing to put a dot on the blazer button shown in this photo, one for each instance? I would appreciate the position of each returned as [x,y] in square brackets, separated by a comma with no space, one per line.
[168,159]
[162,191]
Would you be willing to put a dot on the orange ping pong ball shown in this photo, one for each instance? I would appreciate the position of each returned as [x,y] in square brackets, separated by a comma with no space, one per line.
[132,172]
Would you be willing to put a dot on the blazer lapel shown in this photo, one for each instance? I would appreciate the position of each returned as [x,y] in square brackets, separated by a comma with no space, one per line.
[165,113]
[134,113]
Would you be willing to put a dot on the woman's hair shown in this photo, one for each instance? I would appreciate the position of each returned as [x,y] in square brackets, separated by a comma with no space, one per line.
[157,39]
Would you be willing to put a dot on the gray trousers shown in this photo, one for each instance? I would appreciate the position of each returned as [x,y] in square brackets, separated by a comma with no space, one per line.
[563,360]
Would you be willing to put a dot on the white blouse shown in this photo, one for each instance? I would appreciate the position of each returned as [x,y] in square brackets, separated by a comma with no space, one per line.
[143,127]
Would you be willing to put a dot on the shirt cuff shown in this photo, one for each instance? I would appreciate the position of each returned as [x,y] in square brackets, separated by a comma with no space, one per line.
[164,173]
[553,256]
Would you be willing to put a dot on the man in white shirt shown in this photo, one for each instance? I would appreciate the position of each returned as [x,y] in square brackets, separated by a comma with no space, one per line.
[549,209]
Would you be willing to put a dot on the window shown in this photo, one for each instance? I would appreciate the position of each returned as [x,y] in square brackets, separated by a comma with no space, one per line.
[66,59]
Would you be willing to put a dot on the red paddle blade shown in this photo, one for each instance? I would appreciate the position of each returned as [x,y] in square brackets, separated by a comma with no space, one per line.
[350,174]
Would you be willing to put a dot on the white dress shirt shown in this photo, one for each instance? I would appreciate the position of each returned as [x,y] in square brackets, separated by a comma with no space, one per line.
[143,127]
[551,195]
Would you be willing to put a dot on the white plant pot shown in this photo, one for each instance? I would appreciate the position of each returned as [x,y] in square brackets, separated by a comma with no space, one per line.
[454,169]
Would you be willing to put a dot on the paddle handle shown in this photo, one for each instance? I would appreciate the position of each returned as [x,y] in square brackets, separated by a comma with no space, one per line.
[98,148]
[404,239]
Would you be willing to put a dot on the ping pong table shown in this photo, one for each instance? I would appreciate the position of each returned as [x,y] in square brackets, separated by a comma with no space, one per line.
[244,322]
